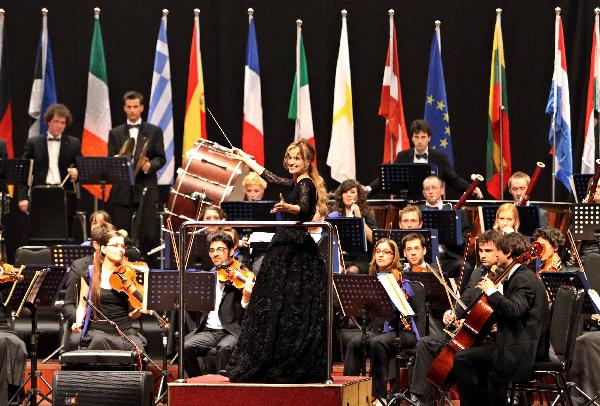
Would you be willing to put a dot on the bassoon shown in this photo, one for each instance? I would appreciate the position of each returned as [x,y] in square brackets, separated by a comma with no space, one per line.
[534,178]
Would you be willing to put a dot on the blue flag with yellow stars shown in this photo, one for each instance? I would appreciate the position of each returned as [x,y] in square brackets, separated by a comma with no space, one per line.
[436,105]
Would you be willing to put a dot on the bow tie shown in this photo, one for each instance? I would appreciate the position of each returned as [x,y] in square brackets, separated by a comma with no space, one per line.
[130,126]
[421,156]
[53,139]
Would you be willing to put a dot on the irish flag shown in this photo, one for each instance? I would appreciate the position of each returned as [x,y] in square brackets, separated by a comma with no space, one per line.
[194,126]
[97,122]
[593,102]
[300,109]
[498,158]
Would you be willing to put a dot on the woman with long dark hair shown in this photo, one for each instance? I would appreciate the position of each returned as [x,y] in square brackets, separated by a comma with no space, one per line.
[284,334]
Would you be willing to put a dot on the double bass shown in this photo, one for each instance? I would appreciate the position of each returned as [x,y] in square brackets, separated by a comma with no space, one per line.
[475,326]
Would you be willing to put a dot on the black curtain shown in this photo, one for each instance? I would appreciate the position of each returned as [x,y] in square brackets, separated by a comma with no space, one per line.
[130,29]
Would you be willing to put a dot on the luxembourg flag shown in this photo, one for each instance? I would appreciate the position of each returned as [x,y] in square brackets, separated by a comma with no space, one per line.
[252,125]
[559,108]
[593,102]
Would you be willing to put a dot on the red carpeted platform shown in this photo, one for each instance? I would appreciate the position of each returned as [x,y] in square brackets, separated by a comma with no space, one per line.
[217,390]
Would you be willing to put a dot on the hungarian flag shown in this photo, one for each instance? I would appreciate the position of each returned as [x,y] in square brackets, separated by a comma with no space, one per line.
[498,142]
[341,157]
[559,107]
[396,137]
[253,141]
[194,126]
[593,104]
[97,123]
[5,109]
[300,109]
[43,90]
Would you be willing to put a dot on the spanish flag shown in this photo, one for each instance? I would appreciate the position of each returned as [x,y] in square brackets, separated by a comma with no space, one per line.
[498,129]
[194,126]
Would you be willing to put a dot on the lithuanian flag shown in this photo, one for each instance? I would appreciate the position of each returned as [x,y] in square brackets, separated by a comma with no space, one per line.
[498,142]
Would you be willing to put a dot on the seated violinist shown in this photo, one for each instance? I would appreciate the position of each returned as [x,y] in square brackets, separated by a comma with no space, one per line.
[552,240]
[386,259]
[413,245]
[219,328]
[100,290]
[429,346]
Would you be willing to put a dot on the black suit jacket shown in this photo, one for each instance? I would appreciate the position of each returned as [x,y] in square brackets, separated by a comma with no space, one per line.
[3,150]
[231,312]
[122,194]
[79,269]
[36,148]
[445,170]
[522,316]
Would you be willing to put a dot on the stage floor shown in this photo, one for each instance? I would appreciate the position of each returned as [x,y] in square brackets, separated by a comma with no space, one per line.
[217,390]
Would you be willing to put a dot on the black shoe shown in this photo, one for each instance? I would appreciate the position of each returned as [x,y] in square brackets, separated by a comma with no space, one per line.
[223,372]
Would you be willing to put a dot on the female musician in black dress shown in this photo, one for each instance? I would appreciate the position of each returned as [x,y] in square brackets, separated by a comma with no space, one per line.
[284,333]
[98,334]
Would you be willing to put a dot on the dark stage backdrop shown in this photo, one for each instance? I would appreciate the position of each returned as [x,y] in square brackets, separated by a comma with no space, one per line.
[130,29]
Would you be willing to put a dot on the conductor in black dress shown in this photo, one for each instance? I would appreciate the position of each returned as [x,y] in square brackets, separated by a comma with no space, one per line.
[420,132]
[124,200]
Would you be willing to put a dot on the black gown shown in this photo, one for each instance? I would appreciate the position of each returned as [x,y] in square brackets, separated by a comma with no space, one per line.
[284,333]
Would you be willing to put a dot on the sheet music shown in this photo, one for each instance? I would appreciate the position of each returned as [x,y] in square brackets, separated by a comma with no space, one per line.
[594,297]
[395,293]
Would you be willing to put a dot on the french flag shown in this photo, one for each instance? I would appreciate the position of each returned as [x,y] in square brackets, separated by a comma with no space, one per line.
[559,107]
[252,126]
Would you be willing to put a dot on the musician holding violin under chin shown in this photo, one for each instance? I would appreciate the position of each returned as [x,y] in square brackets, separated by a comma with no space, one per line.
[102,293]
[386,259]
[413,245]
[220,328]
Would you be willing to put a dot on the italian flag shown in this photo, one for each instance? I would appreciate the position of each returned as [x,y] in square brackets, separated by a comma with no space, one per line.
[300,109]
[498,119]
[593,103]
[97,122]
[194,126]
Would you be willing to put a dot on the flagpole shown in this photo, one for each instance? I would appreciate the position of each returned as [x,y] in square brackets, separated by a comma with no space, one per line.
[596,88]
[298,80]
[500,106]
[438,32]
[554,99]
[391,49]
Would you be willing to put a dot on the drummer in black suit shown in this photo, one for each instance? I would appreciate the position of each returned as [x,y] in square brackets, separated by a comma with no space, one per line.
[124,199]
[420,132]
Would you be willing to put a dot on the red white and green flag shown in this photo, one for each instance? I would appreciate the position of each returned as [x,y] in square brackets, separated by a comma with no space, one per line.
[97,122]
[593,102]
[300,109]
[498,141]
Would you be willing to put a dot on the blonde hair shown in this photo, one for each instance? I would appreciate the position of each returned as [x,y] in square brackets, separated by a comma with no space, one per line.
[307,152]
[254,179]
[508,207]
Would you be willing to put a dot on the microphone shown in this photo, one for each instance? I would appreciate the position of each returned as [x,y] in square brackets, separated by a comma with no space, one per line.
[351,209]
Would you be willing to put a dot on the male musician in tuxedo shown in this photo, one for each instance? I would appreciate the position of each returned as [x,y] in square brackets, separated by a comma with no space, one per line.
[54,154]
[413,246]
[522,315]
[410,217]
[428,347]
[220,328]
[124,199]
[420,132]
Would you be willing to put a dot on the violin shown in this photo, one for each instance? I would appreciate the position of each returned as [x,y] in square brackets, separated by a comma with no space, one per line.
[551,265]
[8,273]
[418,268]
[234,274]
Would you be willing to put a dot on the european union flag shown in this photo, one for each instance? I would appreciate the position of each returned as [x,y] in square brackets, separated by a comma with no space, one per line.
[436,105]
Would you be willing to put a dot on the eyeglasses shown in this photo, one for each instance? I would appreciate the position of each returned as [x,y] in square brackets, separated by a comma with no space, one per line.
[115,245]
[385,252]
[218,249]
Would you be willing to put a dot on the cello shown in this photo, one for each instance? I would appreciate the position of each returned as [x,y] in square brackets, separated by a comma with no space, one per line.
[475,326]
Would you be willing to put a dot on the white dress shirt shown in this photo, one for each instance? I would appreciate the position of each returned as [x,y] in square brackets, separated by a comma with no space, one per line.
[213,321]
[421,160]
[53,176]
[134,132]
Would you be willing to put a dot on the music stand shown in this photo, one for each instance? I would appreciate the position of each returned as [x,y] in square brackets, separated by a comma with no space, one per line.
[162,293]
[351,231]
[42,289]
[250,211]
[405,180]
[581,181]
[447,222]
[16,172]
[586,221]
[199,257]
[430,235]
[64,255]
[554,280]
[435,294]
[96,170]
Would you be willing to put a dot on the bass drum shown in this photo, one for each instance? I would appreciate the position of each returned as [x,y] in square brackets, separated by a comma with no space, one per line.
[211,174]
